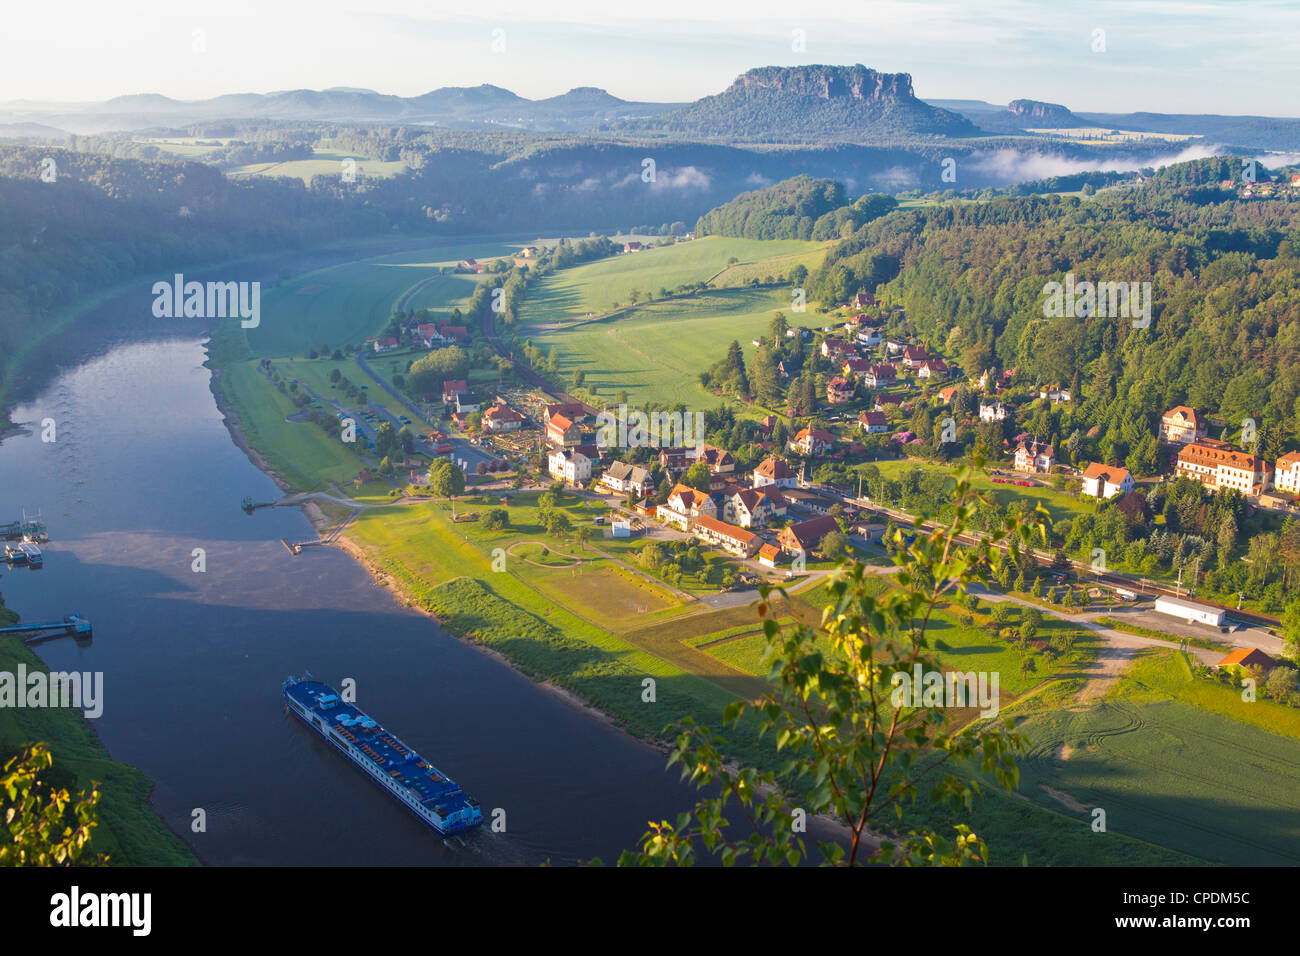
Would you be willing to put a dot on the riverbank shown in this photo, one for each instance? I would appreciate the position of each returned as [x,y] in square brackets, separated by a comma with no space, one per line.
[130,832]
[237,435]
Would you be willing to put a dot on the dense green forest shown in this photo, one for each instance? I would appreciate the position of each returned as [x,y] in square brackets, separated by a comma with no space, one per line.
[798,208]
[1225,335]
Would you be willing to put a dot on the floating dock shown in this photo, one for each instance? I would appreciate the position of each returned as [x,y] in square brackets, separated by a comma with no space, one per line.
[73,624]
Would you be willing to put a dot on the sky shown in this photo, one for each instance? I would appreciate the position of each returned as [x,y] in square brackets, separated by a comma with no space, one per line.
[1202,56]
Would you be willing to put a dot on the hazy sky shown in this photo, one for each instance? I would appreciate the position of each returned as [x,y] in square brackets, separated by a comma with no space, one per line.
[1238,56]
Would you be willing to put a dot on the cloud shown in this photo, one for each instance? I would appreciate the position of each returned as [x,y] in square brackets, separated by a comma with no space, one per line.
[896,177]
[1018,166]
[688,177]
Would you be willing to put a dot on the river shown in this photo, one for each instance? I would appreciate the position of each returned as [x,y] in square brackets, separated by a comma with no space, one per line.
[143,471]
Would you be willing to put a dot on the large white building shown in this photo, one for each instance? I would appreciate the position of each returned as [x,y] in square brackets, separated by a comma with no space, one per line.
[1190,612]
[1286,476]
[1106,481]
[1218,465]
[1181,425]
[571,465]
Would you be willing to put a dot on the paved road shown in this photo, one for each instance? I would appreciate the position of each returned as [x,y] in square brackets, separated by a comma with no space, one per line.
[461,450]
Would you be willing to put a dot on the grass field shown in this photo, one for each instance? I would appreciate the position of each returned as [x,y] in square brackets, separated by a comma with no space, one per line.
[1175,761]
[299,452]
[325,162]
[656,352]
[595,287]
[1058,503]
[315,374]
[953,644]
[353,301]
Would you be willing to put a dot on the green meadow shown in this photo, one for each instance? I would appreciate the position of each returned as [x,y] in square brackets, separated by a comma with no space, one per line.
[353,301]
[656,352]
[1060,504]
[1179,762]
[324,162]
[596,287]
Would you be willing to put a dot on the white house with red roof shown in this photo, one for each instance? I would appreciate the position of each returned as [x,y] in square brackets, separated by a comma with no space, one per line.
[1286,475]
[386,345]
[451,388]
[774,472]
[1181,425]
[1106,481]
[684,505]
[932,368]
[502,418]
[873,422]
[813,441]
[914,355]
[880,376]
[1035,456]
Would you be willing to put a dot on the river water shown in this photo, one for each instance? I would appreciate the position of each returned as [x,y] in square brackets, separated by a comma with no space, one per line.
[142,471]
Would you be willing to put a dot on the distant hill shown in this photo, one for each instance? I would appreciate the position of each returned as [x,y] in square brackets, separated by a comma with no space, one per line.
[819,103]
[1035,114]
[452,106]
[1014,118]
[1258,132]
[31,131]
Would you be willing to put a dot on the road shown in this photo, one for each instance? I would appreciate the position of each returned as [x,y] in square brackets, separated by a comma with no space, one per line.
[487,326]
[468,456]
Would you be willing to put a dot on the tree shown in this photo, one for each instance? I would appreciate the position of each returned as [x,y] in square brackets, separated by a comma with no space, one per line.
[557,523]
[1291,629]
[1227,538]
[697,477]
[854,745]
[385,439]
[835,546]
[446,480]
[496,519]
[429,372]
[44,826]
[1281,683]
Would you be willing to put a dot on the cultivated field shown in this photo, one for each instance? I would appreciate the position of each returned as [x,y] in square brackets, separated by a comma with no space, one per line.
[1177,762]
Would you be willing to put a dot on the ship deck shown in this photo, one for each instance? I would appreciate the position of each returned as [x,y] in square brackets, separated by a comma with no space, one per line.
[406,767]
